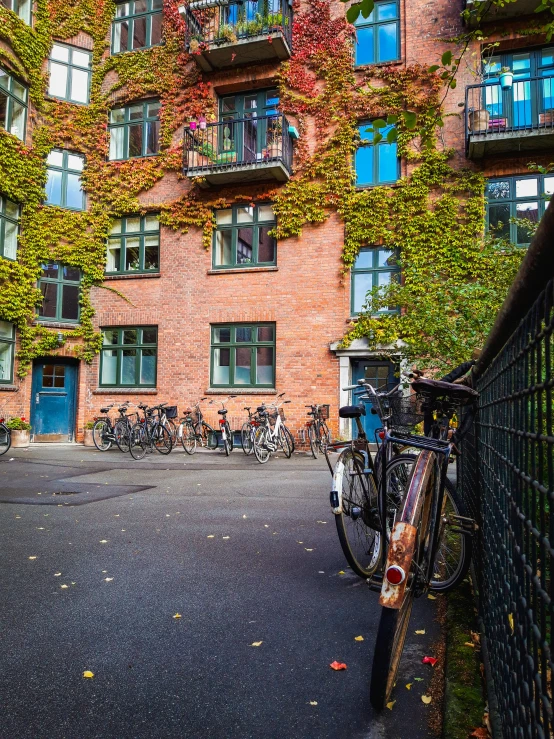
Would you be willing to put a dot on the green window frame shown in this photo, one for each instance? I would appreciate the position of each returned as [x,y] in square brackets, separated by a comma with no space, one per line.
[13,105]
[375,267]
[60,285]
[129,356]
[241,237]
[242,355]
[511,199]
[70,71]
[63,184]
[22,8]
[137,25]
[135,130]
[134,245]
[7,352]
[9,228]
[378,36]
[376,164]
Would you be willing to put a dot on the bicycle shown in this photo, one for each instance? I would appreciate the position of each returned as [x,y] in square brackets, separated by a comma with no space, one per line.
[421,524]
[103,431]
[226,433]
[318,433]
[5,437]
[149,433]
[191,431]
[122,430]
[268,436]
[248,430]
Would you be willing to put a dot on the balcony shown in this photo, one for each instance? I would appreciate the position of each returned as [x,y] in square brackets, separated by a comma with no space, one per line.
[510,121]
[229,33]
[238,150]
[487,12]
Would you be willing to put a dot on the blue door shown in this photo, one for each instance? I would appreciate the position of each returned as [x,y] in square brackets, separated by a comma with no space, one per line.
[53,400]
[383,376]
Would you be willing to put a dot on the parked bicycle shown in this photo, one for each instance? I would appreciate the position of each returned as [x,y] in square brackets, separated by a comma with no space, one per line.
[248,430]
[224,427]
[318,433]
[103,431]
[5,437]
[272,433]
[193,430]
[150,433]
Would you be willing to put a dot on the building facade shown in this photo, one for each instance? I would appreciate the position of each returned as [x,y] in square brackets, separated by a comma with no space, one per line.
[179,185]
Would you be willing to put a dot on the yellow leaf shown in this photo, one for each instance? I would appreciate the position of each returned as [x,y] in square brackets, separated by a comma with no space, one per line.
[226,537]
[426,699]
[32,557]
[409,686]
[420,631]
[177,615]
[108,579]
[57,574]
[309,550]
[390,705]
[266,525]
[358,638]
[469,644]
[313,703]
[103,541]
[341,572]
[432,597]
[511,622]
[64,586]
[211,536]
[256,644]
[88,673]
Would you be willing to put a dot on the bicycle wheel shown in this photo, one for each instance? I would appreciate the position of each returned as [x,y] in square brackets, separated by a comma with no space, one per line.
[284,443]
[138,441]
[290,437]
[161,439]
[121,432]
[312,436]
[226,438]
[188,437]
[5,439]
[260,449]
[324,436]
[398,474]
[246,438]
[454,546]
[358,522]
[172,428]
[102,427]
[210,436]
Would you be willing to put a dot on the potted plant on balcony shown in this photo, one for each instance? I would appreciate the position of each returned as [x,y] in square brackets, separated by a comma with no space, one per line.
[274,138]
[228,145]
[88,440]
[506,78]
[19,429]
[227,32]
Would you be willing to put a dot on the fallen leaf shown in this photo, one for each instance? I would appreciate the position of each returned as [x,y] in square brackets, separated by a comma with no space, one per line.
[341,572]
[358,638]
[88,673]
[104,572]
[432,597]
[409,686]
[418,679]
[313,703]
[103,541]
[469,644]
[337,665]
[511,622]
[480,733]
[177,615]
[390,705]
[300,542]
[108,579]
[18,516]
[321,521]
[225,537]
[430,661]
[309,550]
[245,516]
[426,699]
[34,557]
[256,644]
[57,574]
[420,631]
[64,586]
[321,572]
[116,515]
[211,536]
[266,525]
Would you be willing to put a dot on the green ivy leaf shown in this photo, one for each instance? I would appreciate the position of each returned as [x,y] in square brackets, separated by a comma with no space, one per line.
[392,119]
[392,135]
[379,123]
[367,7]
[410,119]
[446,58]
[352,13]
[433,68]
[452,84]
[377,138]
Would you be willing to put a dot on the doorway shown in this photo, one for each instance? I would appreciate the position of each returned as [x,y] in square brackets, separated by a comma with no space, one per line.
[383,375]
[53,399]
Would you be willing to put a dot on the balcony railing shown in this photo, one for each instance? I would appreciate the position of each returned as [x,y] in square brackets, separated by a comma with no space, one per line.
[479,11]
[239,150]
[223,33]
[520,118]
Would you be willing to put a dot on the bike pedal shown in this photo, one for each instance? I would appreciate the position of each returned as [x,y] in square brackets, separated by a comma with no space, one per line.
[464,524]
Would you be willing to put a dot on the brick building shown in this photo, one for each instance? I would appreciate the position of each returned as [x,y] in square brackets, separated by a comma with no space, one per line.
[248,316]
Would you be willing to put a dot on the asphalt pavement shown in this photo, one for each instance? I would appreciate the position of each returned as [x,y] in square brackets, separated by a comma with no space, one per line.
[208,596]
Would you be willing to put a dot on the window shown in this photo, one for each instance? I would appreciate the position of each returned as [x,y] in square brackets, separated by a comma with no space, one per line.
[129,357]
[9,227]
[137,25]
[22,8]
[376,164]
[13,105]
[134,245]
[378,36]
[60,287]
[520,199]
[374,267]
[241,238]
[63,184]
[261,127]
[7,346]
[69,74]
[243,356]
[135,130]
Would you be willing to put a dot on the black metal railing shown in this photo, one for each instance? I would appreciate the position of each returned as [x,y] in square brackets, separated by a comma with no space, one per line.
[528,105]
[238,143]
[215,22]
[506,475]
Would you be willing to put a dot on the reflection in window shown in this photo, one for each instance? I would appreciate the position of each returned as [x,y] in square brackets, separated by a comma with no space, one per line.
[516,204]
[137,25]
[69,73]
[135,130]
[134,245]
[60,288]
[376,164]
[63,184]
[13,105]
[9,228]
[7,348]
[375,267]
[129,357]
[378,36]
[242,239]
[22,8]
[243,356]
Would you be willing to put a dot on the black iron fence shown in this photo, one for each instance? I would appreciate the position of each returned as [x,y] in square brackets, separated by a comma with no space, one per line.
[507,479]
[238,143]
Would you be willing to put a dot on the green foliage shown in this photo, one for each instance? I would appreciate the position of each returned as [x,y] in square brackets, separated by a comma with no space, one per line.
[18,424]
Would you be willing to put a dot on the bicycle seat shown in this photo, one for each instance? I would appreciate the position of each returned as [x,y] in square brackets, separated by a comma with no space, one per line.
[222,412]
[261,409]
[437,388]
[352,411]
[104,410]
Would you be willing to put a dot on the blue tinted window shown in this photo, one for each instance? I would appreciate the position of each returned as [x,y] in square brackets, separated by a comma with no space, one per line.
[375,267]
[376,164]
[378,37]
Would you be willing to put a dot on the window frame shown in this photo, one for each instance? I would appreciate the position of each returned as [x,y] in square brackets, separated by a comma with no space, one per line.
[127,123]
[25,18]
[65,170]
[541,198]
[120,347]
[363,23]
[13,98]
[61,282]
[234,228]
[9,342]
[3,222]
[376,156]
[124,235]
[375,270]
[130,19]
[232,345]
[70,66]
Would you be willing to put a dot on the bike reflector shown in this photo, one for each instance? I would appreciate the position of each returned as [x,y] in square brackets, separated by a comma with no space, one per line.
[395,575]
[221,421]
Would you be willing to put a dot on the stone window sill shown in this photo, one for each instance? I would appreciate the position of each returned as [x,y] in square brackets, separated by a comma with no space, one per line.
[240,391]
[57,324]
[125,391]
[235,270]
[8,388]
[138,276]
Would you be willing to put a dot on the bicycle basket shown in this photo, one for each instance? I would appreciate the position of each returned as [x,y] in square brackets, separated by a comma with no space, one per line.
[402,412]
[171,411]
[323,412]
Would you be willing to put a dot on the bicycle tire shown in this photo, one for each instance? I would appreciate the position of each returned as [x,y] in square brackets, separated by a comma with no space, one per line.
[161,439]
[312,437]
[398,475]
[172,428]
[246,438]
[324,436]
[5,439]
[454,547]
[99,430]
[284,443]
[227,442]
[121,432]
[361,543]
[290,437]
[188,438]
[138,441]
[209,433]
[260,449]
